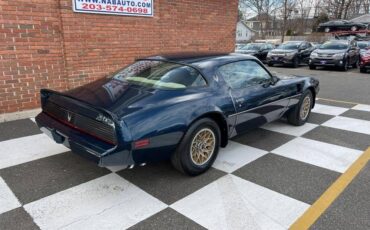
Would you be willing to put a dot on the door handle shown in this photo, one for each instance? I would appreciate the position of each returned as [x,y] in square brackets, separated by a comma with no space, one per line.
[239,101]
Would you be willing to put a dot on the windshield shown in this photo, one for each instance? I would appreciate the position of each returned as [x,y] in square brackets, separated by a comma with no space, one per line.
[338,22]
[289,46]
[334,46]
[239,46]
[160,75]
[362,45]
[252,46]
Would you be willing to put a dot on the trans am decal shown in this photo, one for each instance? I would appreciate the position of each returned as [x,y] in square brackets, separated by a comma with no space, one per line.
[118,7]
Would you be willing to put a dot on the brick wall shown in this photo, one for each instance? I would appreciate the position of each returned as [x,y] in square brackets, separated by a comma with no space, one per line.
[31,55]
[44,44]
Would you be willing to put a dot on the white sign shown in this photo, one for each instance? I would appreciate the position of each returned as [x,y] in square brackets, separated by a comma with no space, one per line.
[119,7]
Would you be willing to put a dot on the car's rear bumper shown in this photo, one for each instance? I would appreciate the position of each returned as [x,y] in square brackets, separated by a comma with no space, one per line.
[98,151]
[326,62]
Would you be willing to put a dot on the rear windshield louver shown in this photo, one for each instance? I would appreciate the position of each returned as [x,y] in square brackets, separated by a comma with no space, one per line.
[82,123]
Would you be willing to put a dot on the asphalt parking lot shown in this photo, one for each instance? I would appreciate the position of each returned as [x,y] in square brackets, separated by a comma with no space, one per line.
[351,86]
[275,177]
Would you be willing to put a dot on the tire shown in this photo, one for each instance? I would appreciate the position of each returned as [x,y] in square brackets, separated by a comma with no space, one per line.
[345,65]
[183,159]
[295,63]
[355,65]
[362,70]
[294,116]
[312,66]
[270,64]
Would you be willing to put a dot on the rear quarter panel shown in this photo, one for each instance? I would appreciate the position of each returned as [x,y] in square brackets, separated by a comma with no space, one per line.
[166,121]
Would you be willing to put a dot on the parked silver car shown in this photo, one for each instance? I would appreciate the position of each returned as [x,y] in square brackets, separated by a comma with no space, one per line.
[336,53]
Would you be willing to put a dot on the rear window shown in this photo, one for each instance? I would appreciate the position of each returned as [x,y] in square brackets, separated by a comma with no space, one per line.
[160,75]
[362,45]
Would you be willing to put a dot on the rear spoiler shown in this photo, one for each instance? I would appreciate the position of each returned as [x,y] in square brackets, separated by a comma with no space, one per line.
[45,94]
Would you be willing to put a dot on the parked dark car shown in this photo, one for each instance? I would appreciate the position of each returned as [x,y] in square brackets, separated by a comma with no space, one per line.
[365,60]
[290,53]
[336,53]
[183,107]
[341,25]
[259,50]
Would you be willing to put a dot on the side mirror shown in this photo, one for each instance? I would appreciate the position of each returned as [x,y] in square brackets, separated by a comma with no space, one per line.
[274,79]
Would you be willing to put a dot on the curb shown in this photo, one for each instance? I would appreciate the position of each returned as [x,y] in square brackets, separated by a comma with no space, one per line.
[19,115]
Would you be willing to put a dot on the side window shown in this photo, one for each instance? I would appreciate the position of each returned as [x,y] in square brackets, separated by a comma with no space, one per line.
[184,75]
[243,74]
[161,75]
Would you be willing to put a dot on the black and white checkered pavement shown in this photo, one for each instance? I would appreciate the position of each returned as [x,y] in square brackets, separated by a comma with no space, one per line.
[265,179]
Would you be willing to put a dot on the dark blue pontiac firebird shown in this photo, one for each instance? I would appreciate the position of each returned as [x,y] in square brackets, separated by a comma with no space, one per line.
[181,107]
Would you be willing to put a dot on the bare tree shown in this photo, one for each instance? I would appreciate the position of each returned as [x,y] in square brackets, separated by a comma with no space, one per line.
[286,9]
[366,4]
[304,9]
[358,7]
[263,9]
[345,9]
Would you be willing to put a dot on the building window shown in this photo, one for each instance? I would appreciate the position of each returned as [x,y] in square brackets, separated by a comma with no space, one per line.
[239,33]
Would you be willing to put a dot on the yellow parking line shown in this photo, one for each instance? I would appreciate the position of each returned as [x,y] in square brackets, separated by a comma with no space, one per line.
[328,197]
[344,102]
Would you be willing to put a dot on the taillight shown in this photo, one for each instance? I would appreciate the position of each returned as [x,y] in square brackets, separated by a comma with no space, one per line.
[141,143]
